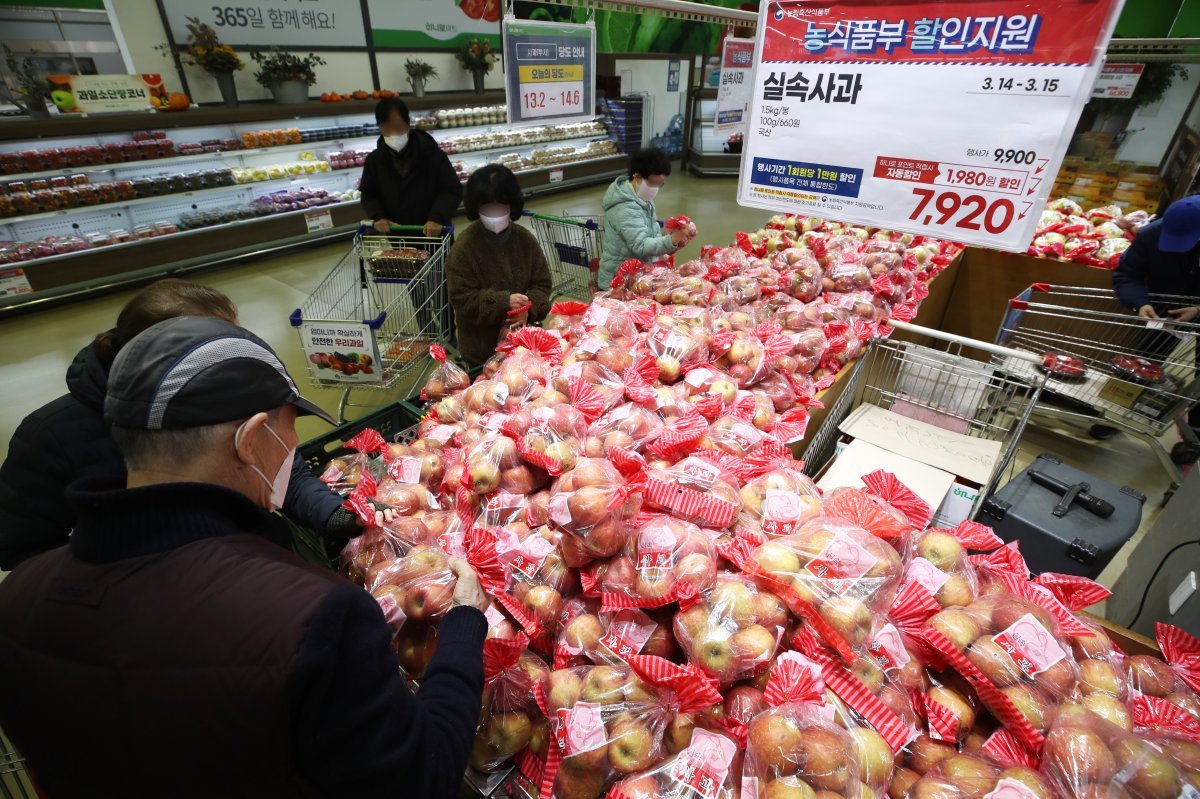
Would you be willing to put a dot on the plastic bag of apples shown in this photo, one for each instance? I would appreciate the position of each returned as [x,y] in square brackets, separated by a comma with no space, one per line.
[664,560]
[446,378]
[343,473]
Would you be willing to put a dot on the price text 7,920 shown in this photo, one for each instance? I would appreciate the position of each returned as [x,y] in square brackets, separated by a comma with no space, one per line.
[994,218]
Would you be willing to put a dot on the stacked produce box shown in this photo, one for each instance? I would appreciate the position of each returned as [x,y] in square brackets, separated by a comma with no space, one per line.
[679,611]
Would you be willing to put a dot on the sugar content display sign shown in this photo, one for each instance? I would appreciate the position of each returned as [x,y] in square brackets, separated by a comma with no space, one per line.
[549,71]
[940,118]
[342,352]
[262,23]
[733,89]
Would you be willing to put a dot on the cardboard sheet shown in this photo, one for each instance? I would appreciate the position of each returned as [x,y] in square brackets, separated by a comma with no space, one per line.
[861,457]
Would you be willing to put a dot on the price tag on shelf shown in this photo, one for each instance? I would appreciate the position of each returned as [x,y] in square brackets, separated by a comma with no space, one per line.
[556,175]
[1117,81]
[318,220]
[13,281]
[550,70]
[948,119]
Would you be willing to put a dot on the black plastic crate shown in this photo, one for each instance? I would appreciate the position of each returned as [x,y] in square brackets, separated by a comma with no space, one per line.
[389,420]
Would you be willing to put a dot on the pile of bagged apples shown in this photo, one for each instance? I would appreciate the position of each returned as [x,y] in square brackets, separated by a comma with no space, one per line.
[1096,237]
[680,612]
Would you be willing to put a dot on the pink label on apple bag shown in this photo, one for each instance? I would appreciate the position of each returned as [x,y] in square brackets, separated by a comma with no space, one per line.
[703,765]
[442,433]
[406,470]
[392,612]
[1030,645]
[579,729]
[572,370]
[529,558]
[494,421]
[494,617]
[596,316]
[699,471]
[888,649]
[749,787]
[781,512]
[559,512]
[925,574]
[697,377]
[1010,789]
[626,637]
[686,311]
[655,548]
[618,413]
[841,564]
[744,435]
[590,345]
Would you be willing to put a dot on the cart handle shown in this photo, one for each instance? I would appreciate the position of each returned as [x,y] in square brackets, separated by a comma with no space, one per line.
[366,226]
[970,342]
[297,318]
[590,224]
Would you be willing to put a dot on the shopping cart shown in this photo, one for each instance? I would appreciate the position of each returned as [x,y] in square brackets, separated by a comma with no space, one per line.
[1138,375]
[945,388]
[572,248]
[370,322]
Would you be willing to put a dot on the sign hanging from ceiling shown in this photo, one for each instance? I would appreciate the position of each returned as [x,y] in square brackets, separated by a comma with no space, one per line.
[549,71]
[1117,81]
[434,24]
[943,118]
[733,88]
[272,23]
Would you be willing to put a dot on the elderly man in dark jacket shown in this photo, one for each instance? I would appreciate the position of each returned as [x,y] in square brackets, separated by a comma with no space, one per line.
[68,440]
[169,650]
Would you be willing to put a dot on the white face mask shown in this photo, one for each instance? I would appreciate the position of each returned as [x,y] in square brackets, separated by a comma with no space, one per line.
[397,142]
[498,223]
[279,485]
[645,192]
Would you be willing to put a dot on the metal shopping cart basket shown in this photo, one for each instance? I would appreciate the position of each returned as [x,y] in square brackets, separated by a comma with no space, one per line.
[370,322]
[945,388]
[14,779]
[572,247]
[1120,371]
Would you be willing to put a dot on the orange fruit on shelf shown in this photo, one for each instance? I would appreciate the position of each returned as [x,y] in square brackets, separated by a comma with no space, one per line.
[375,95]
[177,101]
[324,97]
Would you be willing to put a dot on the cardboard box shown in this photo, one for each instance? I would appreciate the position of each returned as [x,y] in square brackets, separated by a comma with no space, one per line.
[956,507]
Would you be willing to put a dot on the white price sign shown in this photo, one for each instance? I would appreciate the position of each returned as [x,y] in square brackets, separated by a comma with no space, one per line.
[944,119]
[316,221]
[549,71]
[1117,81]
[13,281]
[733,90]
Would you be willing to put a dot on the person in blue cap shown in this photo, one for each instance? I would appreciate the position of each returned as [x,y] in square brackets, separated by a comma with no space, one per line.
[1164,259]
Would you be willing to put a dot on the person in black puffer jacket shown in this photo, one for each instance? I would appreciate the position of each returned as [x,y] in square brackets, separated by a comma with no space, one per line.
[67,439]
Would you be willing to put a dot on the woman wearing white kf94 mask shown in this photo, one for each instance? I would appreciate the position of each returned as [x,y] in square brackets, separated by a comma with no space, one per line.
[496,273]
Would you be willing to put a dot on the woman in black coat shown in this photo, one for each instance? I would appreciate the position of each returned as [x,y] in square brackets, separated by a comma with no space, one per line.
[68,440]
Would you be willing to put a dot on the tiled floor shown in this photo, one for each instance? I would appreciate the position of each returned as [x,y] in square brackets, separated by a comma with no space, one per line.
[39,347]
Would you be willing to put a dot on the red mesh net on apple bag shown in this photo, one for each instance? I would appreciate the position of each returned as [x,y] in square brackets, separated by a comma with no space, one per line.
[665,560]
[446,378]
[831,573]
[512,676]
[733,632]
[795,747]
[592,505]
[627,426]
[1176,677]
[707,768]
[345,472]
[937,561]
[604,722]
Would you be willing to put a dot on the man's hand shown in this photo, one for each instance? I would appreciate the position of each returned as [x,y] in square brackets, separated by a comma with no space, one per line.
[383,225]
[1185,314]
[381,516]
[520,320]
[1147,312]
[467,590]
[433,229]
[516,301]
[679,237]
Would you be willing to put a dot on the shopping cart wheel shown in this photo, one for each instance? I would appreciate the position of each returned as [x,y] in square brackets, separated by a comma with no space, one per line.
[1102,432]
[1170,492]
[1184,453]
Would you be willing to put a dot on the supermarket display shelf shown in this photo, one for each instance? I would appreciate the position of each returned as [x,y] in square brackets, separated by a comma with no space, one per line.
[61,277]
[514,148]
[708,164]
[64,126]
[186,159]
